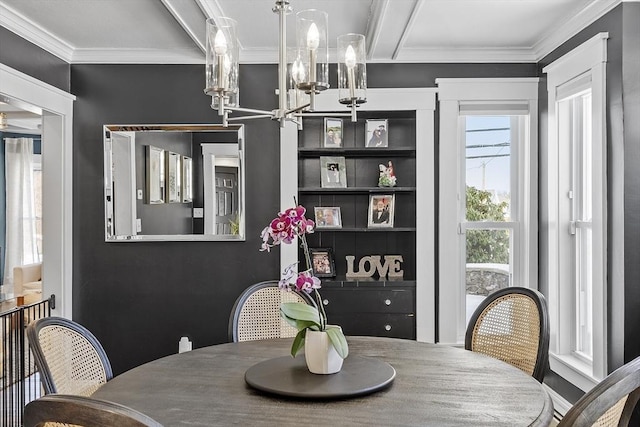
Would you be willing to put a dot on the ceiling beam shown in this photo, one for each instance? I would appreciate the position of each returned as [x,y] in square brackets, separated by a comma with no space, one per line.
[190,16]
[374,26]
[407,28]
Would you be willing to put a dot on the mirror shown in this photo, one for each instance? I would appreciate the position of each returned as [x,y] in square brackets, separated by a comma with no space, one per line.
[174,182]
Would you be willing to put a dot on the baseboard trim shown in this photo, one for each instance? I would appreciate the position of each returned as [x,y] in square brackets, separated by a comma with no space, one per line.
[560,404]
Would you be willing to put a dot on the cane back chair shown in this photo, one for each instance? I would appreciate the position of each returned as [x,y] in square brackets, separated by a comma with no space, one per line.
[69,410]
[70,359]
[610,403]
[512,325]
[256,313]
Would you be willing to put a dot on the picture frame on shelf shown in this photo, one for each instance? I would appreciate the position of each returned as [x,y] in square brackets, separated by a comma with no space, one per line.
[332,133]
[174,181]
[377,133]
[328,217]
[322,262]
[155,168]
[381,210]
[333,172]
[187,179]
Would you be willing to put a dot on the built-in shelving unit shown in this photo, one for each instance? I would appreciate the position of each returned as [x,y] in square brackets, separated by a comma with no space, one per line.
[402,308]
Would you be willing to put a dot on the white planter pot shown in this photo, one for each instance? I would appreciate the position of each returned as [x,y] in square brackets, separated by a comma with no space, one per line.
[319,353]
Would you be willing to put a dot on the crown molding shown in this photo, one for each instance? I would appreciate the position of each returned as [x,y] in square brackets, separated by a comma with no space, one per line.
[577,23]
[137,56]
[470,55]
[20,25]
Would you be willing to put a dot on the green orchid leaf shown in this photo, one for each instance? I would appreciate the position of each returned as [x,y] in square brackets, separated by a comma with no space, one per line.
[298,342]
[300,311]
[338,341]
[300,324]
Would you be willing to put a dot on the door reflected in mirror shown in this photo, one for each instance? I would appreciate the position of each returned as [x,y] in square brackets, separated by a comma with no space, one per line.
[174,182]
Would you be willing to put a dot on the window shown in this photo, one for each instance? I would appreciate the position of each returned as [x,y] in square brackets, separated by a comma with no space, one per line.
[487,217]
[490,220]
[37,196]
[575,195]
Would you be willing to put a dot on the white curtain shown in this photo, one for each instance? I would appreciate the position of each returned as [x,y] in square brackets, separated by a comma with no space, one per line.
[21,246]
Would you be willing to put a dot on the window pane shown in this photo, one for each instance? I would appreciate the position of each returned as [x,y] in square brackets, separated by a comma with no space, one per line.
[583,214]
[488,167]
[488,259]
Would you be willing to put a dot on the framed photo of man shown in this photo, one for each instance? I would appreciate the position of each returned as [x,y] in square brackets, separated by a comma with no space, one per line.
[332,133]
[322,262]
[377,133]
[328,217]
[381,210]
[333,172]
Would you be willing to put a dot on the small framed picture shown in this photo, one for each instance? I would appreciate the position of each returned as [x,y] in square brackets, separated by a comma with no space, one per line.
[174,178]
[381,210]
[333,172]
[377,133]
[328,217]
[155,163]
[322,262]
[332,133]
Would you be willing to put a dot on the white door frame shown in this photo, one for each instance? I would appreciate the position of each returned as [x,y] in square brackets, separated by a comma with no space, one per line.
[57,184]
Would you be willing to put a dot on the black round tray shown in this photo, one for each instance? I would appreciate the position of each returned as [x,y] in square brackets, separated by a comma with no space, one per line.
[288,376]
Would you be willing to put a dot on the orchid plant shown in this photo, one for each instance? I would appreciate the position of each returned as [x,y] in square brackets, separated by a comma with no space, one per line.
[286,228]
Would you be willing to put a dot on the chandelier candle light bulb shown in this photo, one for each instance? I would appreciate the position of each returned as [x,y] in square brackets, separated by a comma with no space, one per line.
[220,47]
[350,62]
[313,41]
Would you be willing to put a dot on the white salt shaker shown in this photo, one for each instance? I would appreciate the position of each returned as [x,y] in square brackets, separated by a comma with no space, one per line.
[184,345]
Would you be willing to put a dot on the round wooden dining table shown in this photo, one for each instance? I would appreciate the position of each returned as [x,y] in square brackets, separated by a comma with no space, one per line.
[434,385]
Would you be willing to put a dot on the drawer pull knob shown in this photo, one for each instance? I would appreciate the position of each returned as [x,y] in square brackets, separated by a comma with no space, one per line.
[387,327]
[325,301]
[387,302]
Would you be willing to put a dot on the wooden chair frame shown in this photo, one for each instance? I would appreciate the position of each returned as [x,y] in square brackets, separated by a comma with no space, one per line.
[587,411]
[236,311]
[46,375]
[542,357]
[82,411]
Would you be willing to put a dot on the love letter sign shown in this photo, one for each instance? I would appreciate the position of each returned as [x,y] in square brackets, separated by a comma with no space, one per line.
[368,265]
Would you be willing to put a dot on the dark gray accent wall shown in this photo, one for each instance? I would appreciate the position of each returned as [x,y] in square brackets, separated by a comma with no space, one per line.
[30,59]
[140,298]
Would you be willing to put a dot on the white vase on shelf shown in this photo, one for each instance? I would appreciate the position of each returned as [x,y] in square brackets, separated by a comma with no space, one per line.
[320,355]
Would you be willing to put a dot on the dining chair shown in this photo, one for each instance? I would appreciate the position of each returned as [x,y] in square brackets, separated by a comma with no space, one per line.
[70,359]
[70,410]
[610,403]
[512,325]
[256,313]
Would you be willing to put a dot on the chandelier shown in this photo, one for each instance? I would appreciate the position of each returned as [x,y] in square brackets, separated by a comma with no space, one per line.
[303,72]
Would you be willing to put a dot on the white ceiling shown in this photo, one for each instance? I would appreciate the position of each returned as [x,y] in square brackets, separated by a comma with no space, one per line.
[172,31]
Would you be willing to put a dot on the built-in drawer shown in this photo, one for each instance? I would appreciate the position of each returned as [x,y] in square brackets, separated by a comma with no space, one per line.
[376,325]
[362,300]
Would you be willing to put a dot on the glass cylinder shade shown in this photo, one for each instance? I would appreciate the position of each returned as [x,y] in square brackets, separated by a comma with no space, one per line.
[311,32]
[296,73]
[222,61]
[352,69]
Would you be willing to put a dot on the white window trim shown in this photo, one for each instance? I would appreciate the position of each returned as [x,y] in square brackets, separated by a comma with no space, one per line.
[452,92]
[590,57]
[57,185]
